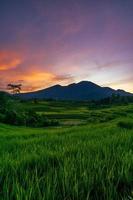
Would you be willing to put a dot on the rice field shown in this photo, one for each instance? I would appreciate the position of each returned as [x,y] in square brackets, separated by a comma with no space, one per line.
[91,160]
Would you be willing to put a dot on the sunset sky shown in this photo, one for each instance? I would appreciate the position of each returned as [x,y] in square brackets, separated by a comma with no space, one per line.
[47,42]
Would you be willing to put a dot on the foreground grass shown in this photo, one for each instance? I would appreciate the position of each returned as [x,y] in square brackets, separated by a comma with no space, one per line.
[77,163]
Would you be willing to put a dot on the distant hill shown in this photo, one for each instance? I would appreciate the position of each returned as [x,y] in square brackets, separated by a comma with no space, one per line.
[84,90]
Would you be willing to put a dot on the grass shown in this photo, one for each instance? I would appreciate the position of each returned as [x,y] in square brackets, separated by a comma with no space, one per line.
[88,161]
[127,124]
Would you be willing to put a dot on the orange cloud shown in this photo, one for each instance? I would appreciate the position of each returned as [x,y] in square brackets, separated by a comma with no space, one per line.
[9,65]
[38,76]
[9,60]
[38,80]
[32,79]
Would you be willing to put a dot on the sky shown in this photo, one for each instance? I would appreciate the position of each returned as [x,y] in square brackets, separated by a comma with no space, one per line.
[48,42]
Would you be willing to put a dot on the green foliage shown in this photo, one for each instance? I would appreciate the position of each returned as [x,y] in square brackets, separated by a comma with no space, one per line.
[13,113]
[2,117]
[89,157]
[126,124]
[39,120]
[84,162]
[78,113]
[53,113]
[115,99]
[32,119]
[13,117]
[5,101]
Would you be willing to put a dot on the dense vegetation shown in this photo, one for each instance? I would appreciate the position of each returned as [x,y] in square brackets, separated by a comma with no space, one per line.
[36,113]
[89,156]
[12,112]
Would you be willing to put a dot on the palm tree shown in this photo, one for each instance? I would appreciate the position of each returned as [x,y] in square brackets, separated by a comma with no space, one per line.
[14,88]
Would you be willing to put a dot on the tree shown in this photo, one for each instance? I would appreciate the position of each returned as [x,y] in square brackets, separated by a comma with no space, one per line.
[14,88]
[5,98]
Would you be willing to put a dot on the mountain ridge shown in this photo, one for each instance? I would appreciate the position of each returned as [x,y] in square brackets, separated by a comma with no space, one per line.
[83,90]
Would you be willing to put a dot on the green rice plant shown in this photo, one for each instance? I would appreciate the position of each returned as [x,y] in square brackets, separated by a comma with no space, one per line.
[125,124]
[84,162]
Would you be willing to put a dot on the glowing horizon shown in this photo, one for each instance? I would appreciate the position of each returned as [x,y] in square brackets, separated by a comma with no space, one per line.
[43,43]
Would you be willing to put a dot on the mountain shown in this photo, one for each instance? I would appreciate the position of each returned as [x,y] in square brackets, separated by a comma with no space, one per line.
[84,90]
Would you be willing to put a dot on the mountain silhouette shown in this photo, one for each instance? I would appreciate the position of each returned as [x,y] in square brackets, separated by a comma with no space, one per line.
[84,90]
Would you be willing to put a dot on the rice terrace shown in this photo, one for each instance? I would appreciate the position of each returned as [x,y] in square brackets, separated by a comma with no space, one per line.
[87,153]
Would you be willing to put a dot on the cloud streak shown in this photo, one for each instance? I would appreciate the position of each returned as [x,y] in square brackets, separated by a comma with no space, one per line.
[9,60]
